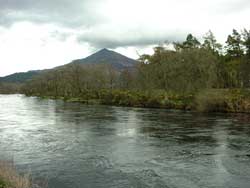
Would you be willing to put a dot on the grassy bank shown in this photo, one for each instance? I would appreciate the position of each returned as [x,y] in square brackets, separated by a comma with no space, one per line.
[9,178]
[223,100]
[212,100]
[130,98]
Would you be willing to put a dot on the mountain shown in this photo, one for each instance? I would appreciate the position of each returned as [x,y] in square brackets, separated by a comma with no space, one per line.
[106,56]
[19,77]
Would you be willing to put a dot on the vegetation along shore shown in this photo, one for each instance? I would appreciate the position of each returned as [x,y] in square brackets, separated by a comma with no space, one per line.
[9,178]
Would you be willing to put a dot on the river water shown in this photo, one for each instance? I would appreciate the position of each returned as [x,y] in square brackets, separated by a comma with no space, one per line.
[73,145]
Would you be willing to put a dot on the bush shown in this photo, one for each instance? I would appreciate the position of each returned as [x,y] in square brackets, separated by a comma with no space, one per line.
[223,100]
[210,101]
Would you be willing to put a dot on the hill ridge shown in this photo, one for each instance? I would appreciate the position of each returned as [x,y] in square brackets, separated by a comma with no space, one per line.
[104,55]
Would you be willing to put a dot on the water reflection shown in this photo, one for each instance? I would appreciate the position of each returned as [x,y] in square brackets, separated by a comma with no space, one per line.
[100,146]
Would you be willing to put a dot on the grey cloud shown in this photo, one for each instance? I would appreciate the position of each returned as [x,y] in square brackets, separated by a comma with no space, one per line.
[86,14]
[102,40]
[73,13]
[109,43]
[62,36]
[232,6]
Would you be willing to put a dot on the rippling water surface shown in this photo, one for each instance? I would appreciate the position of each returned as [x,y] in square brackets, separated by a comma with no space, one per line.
[76,146]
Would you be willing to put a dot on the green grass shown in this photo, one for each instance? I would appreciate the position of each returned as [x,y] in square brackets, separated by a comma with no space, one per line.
[2,184]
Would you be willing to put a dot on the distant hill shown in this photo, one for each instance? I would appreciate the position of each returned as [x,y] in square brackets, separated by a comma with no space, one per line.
[106,56]
[19,77]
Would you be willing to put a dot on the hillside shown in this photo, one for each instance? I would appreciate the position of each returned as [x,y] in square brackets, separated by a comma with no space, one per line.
[19,77]
[106,56]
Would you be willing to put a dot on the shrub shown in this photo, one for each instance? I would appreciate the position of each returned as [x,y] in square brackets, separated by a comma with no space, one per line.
[223,100]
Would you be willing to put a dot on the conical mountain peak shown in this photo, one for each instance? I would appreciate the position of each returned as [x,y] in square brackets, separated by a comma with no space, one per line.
[108,57]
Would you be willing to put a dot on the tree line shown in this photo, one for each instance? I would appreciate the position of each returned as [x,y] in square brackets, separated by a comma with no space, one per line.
[181,67]
[9,88]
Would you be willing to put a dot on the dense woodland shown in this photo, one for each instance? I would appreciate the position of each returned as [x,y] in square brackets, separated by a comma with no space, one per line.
[9,88]
[178,75]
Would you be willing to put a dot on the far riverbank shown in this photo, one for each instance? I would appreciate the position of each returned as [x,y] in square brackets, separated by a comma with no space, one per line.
[212,100]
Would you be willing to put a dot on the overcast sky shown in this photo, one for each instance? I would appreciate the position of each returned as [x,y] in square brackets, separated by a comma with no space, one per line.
[38,34]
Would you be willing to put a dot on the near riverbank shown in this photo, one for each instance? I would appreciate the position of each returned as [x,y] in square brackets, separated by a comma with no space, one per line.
[9,178]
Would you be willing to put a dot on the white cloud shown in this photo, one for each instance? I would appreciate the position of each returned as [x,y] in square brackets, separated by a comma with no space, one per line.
[48,33]
[26,46]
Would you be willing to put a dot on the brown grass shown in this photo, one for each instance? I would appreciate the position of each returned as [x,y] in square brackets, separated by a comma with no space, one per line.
[11,178]
[223,100]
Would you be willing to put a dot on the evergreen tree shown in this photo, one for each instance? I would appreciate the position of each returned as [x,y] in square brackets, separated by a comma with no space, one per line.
[234,45]
[246,41]
[191,42]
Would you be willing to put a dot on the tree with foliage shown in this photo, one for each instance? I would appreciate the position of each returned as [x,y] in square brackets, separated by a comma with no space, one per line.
[244,72]
[191,42]
[246,41]
[183,71]
[234,45]
[210,43]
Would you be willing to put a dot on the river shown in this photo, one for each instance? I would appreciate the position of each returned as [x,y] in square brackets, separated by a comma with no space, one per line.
[73,145]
